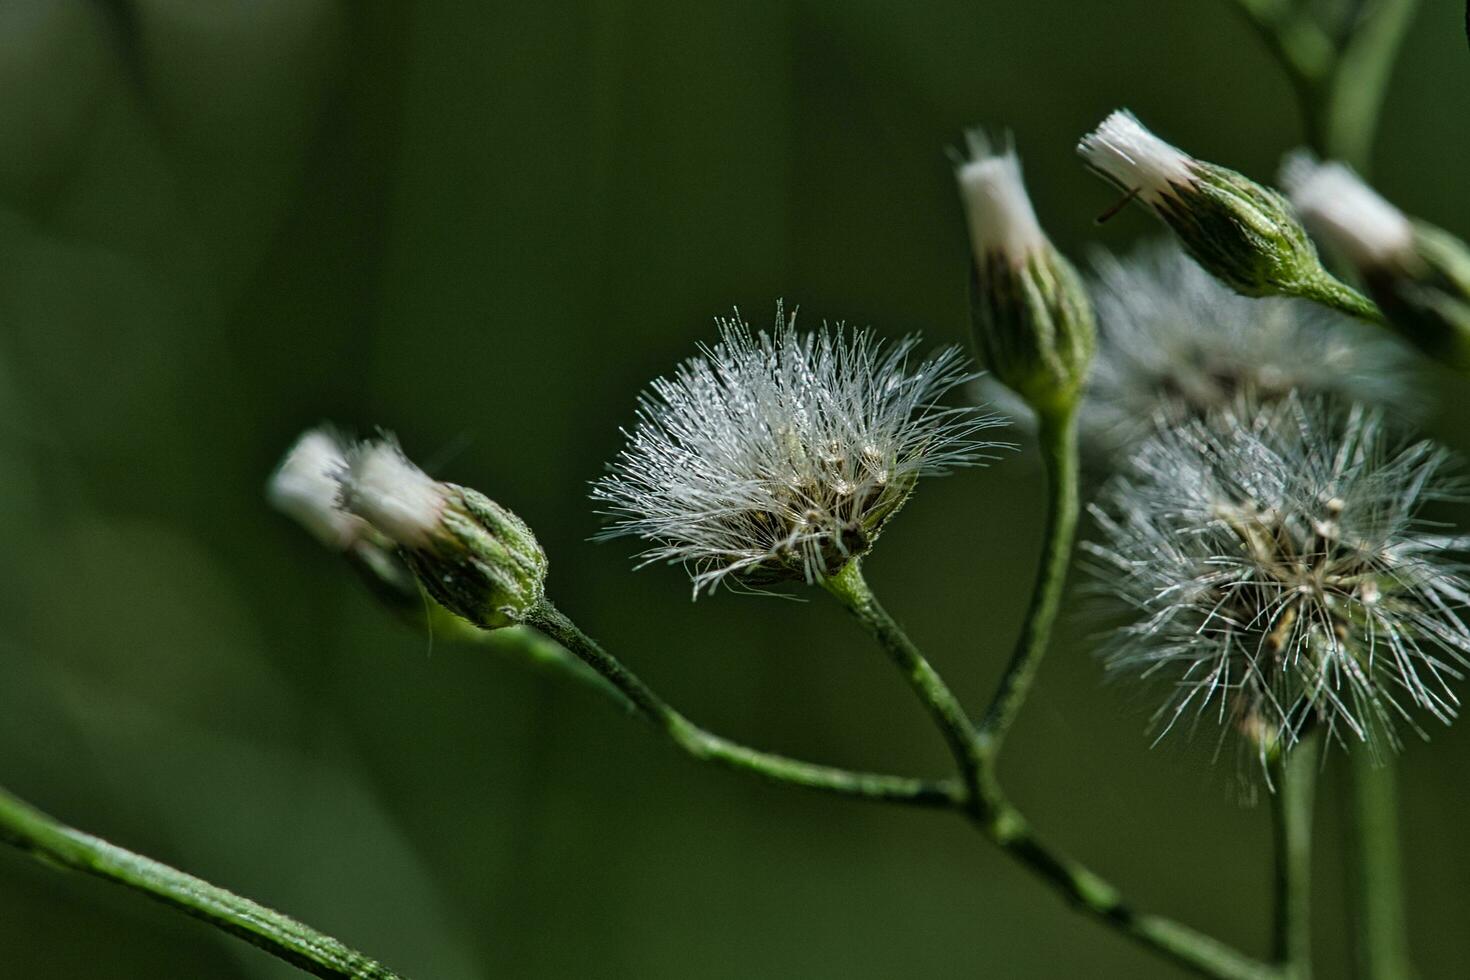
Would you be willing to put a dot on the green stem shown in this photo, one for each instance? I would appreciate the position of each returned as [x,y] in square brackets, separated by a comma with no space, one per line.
[27,828]
[709,747]
[1354,98]
[852,590]
[997,818]
[1378,887]
[1294,776]
[1057,439]
[1091,894]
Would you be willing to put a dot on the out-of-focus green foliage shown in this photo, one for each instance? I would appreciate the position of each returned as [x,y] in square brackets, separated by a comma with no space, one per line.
[486,226]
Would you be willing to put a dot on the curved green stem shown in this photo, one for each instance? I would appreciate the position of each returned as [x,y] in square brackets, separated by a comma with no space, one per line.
[709,747]
[852,590]
[1057,438]
[27,828]
[1294,777]
[987,807]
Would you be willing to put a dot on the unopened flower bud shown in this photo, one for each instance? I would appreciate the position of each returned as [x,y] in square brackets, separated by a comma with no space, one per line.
[305,488]
[1244,234]
[1032,318]
[476,558]
[1418,274]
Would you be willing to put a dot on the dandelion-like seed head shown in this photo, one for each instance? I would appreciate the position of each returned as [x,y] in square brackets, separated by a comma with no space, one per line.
[1177,345]
[1282,577]
[304,487]
[781,455]
[1340,208]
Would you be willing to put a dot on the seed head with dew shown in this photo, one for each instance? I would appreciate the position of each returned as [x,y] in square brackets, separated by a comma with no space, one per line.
[1282,577]
[779,456]
[1177,345]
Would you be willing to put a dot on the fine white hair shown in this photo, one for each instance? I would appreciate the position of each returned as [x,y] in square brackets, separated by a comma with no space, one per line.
[385,488]
[1175,343]
[304,487]
[997,208]
[1341,209]
[1123,150]
[1280,575]
[781,454]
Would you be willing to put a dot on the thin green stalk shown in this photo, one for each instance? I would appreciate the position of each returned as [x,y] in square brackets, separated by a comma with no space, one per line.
[27,828]
[1378,887]
[1090,893]
[709,747]
[852,590]
[1354,98]
[1057,439]
[1294,779]
[988,808]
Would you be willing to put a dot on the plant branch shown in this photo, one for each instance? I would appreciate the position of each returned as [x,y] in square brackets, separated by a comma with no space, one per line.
[27,828]
[1058,441]
[852,590]
[1294,774]
[709,747]
[986,805]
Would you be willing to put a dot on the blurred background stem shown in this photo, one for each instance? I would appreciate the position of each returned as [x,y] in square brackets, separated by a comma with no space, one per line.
[1295,776]
[1340,83]
[27,828]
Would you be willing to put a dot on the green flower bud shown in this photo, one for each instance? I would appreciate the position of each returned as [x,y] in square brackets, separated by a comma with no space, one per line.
[1418,274]
[1244,234]
[1033,321]
[474,557]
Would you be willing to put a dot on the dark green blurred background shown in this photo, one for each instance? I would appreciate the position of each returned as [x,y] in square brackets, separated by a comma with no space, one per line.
[486,226]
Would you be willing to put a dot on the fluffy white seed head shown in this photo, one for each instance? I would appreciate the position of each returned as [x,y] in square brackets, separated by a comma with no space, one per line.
[1127,153]
[304,487]
[1177,344]
[384,487]
[1339,207]
[997,209]
[1280,576]
[780,455]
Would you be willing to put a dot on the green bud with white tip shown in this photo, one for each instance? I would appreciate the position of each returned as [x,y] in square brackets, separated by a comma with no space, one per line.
[474,557]
[1032,318]
[1418,274]
[1244,234]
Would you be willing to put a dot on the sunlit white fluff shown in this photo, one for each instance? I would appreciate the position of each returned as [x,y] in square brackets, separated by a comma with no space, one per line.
[779,455]
[385,488]
[1129,154]
[1341,209]
[1176,344]
[997,208]
[304,487]
[1281,578]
